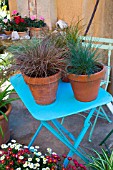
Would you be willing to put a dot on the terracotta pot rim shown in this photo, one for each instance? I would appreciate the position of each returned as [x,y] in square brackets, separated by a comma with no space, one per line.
[45,80]
[34,28]
[22,31]
[7,32]
[9,106]
[92,77]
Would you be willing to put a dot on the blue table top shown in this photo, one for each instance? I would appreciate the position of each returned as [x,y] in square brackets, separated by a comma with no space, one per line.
[64,105]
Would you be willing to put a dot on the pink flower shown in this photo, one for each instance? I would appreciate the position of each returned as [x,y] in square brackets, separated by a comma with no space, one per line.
[33,17]
[5,21]
[14,12]
[41,18]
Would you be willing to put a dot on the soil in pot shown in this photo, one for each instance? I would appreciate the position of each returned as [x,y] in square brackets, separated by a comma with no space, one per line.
[86,87]
[43,89]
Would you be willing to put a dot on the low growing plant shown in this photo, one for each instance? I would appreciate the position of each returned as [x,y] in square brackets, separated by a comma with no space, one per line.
[15,156]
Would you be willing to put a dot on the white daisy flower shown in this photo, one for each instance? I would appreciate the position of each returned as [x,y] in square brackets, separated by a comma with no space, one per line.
[32,147]
[44,162]
[13,141]
[25,165]
[54,153]
[39,153]
[18,168]
[31,165]
[42,156]
[49,150]
[44,159]
[4,146]
[0,152]
[9,144]
[47,168]
[2,157]
[12,146]
[26,147]
[17,147]
[21,157]
[37,159]
[37,147]
[34,167]
[37,164]
[29,159]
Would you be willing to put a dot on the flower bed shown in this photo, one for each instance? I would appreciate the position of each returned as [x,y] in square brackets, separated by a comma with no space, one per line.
[15,156]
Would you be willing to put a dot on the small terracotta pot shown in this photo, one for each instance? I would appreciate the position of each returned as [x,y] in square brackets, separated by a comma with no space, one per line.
[86,87]
[35,32]
[8,32]
[5,126]
[43,89]
[22,34]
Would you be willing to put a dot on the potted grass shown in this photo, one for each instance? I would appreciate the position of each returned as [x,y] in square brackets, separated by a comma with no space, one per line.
[84,70]
[5,101]
[40,62]
[71,36]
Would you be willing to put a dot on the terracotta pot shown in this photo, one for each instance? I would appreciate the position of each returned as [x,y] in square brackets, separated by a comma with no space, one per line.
[8,32]
[22,34]
[5,126]
[35,32]
[43,89]
[86,87]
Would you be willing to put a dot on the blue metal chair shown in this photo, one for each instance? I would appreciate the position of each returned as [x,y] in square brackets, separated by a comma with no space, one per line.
[64,106]
[107,45]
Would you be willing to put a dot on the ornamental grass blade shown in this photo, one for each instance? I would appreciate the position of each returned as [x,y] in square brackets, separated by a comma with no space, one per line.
[4,115]
[1,131]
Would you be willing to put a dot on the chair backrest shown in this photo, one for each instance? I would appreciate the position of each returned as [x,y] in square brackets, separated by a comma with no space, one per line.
[105,44]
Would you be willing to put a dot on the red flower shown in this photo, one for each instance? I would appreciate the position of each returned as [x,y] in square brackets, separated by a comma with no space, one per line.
[22,20]
[17,17]
[17,21]
[69,158]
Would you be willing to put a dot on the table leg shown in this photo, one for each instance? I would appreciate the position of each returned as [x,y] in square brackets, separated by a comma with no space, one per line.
[35,135]
[64,140]
[81,135]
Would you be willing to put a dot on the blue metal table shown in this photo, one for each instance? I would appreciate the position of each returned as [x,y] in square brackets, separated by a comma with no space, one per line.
[65,105]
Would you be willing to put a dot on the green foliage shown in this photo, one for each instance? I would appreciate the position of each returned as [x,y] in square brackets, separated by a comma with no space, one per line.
[38,58]
[103,161]
[34,23]
[68,36]
[83,58]
[72,33]
[6,24]
[5,90]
